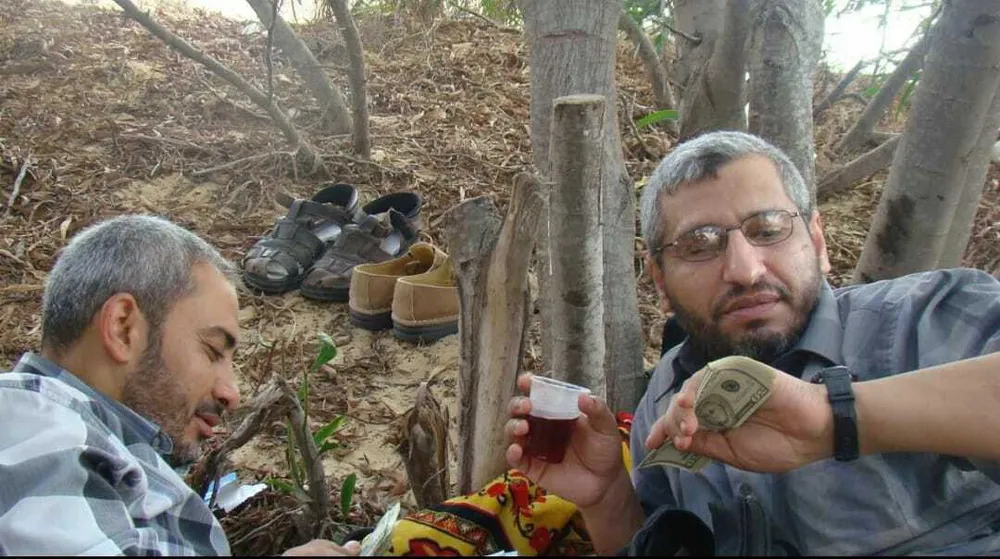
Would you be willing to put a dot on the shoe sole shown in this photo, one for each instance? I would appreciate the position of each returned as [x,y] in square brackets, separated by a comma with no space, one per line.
[271,288]
[423,334]
[334,295]
[372,322]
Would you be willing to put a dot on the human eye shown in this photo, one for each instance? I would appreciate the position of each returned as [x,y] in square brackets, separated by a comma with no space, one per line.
[766,226]
[214,355]
[699,244]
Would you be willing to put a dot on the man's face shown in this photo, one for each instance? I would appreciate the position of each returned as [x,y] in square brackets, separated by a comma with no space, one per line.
[186,379]
[749,300]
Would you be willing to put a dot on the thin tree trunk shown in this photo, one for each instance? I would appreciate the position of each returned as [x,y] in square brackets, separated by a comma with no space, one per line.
[573,46]
[662,92]
[837,92]
[576,248]
[975,179]
[953,100]
[231,77]
[715,97]
[862,129]
[359,93]
[704,20]
[785,45]
[331,102]
[491,262]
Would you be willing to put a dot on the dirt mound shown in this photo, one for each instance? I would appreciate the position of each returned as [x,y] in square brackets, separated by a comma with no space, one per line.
[105,119]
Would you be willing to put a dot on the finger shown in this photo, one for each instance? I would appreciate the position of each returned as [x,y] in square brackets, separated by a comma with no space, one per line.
[519,406]
[516,429]
[598,414]
[524,383]
[515,457]
[352,547]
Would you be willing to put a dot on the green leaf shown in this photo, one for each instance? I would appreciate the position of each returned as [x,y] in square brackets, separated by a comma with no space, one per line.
[324,432]
[327,351]
[328,446]
[658,116]
[347,493]
[280,485]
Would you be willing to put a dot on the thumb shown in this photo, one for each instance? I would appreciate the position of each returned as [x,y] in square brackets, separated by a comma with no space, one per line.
[709,444]
[352,547]
[598,414]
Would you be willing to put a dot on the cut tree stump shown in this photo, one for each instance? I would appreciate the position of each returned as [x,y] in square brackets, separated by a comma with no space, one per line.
[424,448]
[491,259]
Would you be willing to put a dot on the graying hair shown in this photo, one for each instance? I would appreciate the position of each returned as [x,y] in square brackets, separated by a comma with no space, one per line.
[145,256]
[700,158]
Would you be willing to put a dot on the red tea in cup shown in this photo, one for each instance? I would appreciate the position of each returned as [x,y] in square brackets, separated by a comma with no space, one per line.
[553,416]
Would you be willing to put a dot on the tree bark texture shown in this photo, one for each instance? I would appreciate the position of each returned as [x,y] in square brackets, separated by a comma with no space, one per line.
[866,165]
[950,106]
[785,41]
[335,115]
[425,449]
[715,96]
[491,260]
[657,72]
[572,47]
[359,91]
[975,180]
[576,248]
[232,78]
[703,19]
[863,128]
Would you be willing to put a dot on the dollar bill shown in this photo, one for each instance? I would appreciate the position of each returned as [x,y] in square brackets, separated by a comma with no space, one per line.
[731,390]
[377,543]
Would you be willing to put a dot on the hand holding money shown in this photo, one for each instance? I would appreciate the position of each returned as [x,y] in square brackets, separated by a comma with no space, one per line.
[744,413]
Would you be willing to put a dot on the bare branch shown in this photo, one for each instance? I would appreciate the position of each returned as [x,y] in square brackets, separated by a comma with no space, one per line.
[843,177]
[17,184]
[359,94]
[838,91]
[662,91]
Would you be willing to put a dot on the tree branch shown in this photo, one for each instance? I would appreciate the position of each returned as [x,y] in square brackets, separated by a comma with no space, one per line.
[662,91]
[227,74]
[359,95]
[838,91]
[843,177]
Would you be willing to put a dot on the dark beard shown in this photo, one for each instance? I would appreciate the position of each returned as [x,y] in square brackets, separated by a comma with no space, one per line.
[154,393]
[759,344]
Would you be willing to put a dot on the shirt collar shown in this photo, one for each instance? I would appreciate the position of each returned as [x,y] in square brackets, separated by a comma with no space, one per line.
[823,337]
[135,424]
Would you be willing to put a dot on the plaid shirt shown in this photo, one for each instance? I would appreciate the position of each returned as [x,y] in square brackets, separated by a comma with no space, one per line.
[893,504]
[83,474]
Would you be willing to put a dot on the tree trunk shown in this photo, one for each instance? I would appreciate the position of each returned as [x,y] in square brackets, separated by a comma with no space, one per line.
[359,93]
[715,96]
[949,109]
[862,129]
[843,177]
[576,248]
[331,102]
[491,262]
[785,43]
[975,178]
[662,92]
[232,78]
[573,47]
[704,20]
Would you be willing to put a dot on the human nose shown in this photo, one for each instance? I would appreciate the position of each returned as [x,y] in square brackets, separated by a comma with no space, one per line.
[743,264]
[226,392]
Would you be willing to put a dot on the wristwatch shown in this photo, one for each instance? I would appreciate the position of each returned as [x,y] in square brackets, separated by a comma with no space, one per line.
[845,425]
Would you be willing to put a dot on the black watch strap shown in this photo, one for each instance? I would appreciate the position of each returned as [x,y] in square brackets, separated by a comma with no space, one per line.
[845,426]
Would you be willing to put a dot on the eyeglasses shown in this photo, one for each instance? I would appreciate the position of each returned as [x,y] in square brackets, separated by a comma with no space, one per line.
[705,243]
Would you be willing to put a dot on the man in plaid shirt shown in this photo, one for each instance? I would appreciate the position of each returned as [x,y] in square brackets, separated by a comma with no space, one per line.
[136,368]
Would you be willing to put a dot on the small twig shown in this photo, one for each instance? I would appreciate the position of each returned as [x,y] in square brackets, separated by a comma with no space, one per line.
[270,46]
[238,162]
[694,39]
[17,184]
[474,14]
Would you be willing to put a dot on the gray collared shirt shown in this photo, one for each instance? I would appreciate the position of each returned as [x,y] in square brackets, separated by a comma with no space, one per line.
[82,474]
[880,504]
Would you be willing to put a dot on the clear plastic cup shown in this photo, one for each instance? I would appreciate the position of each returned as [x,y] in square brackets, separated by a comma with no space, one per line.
[554,410]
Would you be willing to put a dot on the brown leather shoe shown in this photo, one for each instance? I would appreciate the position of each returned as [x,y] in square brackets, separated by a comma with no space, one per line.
[384,229]
[425,306]
[373,285]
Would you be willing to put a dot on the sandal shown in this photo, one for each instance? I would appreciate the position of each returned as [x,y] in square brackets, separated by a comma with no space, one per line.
[280,260]
[384,229]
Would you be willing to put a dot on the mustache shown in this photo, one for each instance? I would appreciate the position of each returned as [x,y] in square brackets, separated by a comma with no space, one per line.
[738,291]
[210,407]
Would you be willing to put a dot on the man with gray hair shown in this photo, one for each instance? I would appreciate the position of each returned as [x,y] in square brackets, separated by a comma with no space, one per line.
[135,370]
[737,252]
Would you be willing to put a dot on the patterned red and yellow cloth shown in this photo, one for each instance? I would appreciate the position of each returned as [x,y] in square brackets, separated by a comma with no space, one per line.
[510,513]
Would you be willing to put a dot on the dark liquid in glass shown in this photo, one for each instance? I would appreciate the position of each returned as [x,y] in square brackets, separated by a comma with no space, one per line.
[548,438]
